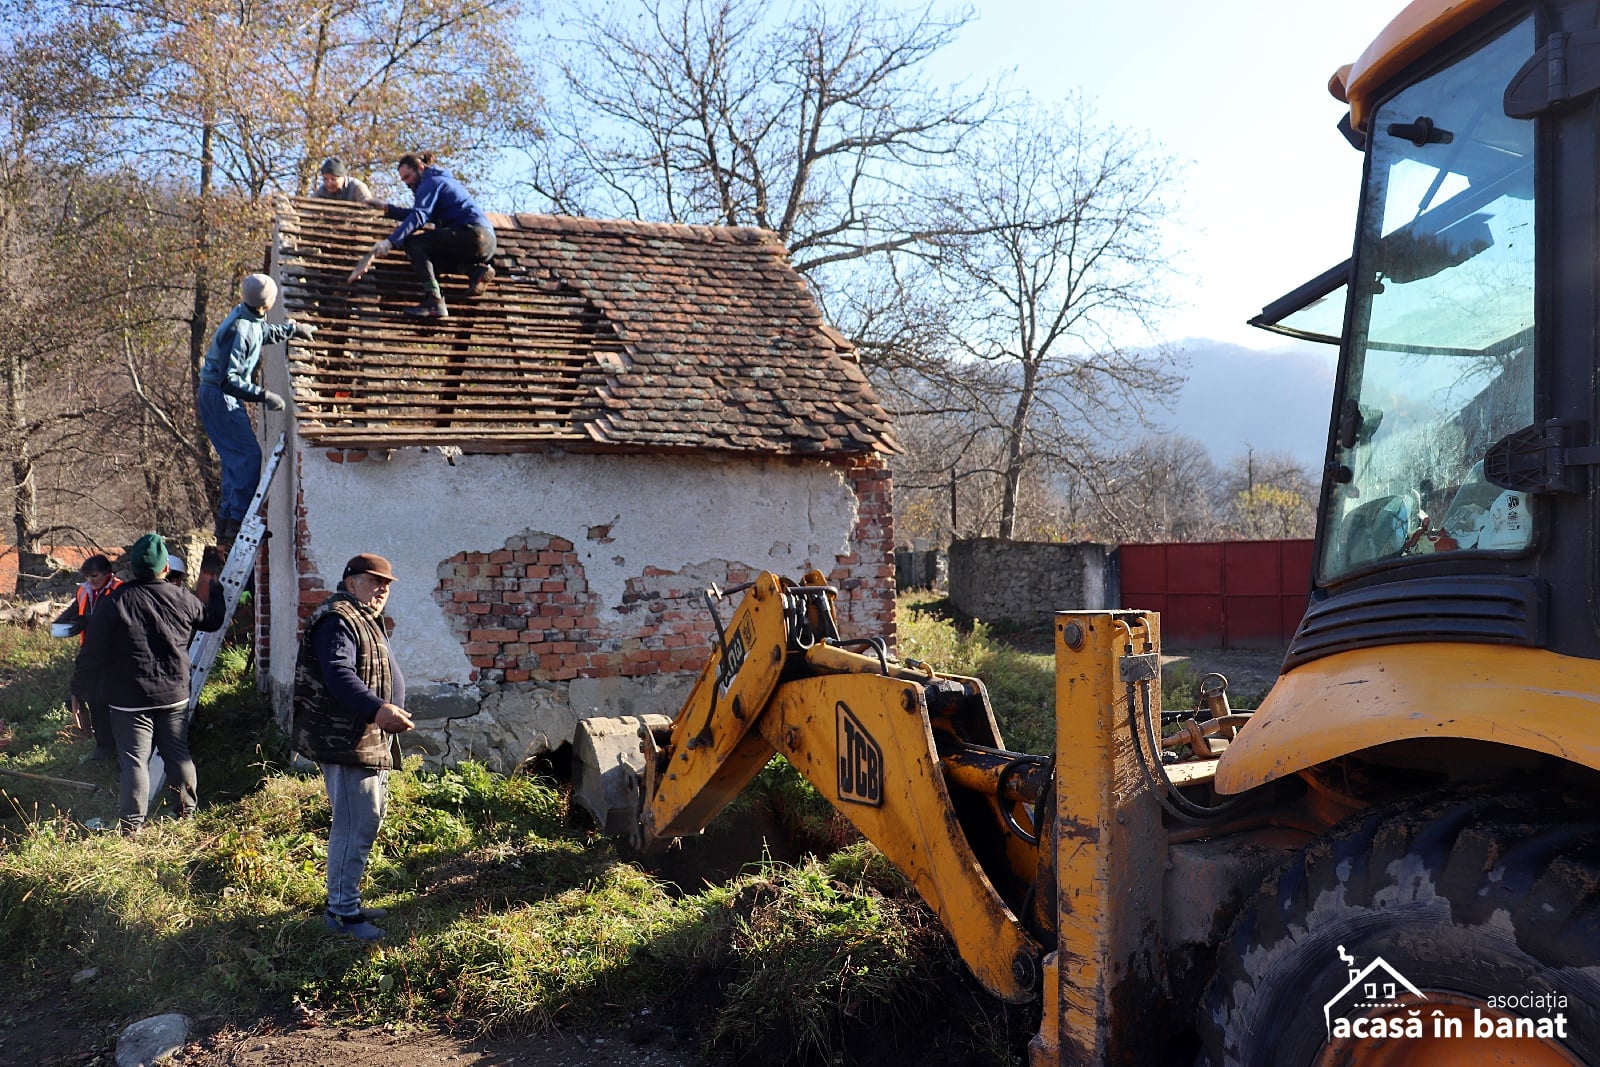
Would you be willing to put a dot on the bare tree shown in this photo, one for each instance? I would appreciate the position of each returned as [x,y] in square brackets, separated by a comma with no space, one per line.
[726,112]
[47,78]
[139,140]
[1058,257]
[1164,488]
[1271,495]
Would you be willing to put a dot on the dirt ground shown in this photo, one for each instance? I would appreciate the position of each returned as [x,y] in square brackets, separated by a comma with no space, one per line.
[52,1026]
[1250,671]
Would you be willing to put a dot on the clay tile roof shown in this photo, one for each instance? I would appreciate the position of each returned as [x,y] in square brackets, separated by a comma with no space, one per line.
[596,332]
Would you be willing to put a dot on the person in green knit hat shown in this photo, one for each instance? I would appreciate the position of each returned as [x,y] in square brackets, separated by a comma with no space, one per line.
[136,660]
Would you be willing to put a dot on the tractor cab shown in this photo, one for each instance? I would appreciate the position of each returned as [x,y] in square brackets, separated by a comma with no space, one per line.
[1455,494]
[1455,578]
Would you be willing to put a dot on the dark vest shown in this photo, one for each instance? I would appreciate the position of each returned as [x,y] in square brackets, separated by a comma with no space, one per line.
[325,730]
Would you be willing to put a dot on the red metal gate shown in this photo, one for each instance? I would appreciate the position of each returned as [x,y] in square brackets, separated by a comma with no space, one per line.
[1227,594]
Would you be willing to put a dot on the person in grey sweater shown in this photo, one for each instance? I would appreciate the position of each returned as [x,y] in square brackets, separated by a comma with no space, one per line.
[334,183]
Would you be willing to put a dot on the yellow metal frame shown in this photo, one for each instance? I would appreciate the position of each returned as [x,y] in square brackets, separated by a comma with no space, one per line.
[837,729]
[864,739]
[1526,698]
[1408,37]
[1101,1004]
[713,754]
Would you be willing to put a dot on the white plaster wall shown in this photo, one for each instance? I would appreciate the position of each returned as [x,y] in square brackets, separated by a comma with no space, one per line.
[417,510]
[284,587]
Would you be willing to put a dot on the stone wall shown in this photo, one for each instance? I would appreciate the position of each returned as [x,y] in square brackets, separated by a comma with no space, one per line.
[1024,583]
[561,588]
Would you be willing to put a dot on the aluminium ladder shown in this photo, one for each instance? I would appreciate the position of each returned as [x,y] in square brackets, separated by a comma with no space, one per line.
[204,645]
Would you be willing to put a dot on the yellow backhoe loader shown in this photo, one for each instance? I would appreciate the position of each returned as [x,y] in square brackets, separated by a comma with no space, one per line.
[1395,860]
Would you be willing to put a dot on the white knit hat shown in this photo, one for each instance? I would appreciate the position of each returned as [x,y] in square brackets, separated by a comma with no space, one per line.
[259,291]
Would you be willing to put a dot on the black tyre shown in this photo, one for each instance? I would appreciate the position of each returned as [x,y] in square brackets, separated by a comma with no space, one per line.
[1471,899]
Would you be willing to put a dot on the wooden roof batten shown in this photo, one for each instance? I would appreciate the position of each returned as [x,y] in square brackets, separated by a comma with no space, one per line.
[597,335]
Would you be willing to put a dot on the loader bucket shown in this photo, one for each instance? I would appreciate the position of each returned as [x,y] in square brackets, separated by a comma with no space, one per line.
[607,767]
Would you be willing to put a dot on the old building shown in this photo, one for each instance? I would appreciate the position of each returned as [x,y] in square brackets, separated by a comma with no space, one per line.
[632,414]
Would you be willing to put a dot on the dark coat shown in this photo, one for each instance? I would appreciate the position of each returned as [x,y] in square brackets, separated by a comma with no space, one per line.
[136,654]
[343,674]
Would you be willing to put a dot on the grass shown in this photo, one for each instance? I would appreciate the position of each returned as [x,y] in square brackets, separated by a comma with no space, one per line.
[1021,685]
[506,915]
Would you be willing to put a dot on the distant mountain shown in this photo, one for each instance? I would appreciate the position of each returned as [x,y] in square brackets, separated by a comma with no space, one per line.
[1237,398]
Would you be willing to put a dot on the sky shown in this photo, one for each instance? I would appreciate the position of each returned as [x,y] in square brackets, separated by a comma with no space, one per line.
[1236,91]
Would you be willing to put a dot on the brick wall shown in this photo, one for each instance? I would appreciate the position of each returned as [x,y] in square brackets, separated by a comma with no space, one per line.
[865,577]
[524,611]
[534,631]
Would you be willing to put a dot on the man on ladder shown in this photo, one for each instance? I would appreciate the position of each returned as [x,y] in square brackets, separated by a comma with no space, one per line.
[226,384]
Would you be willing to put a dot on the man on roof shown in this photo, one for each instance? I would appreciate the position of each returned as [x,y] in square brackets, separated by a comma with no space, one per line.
[462,240]
[334,183]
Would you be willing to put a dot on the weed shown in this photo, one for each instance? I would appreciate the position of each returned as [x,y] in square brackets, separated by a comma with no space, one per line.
[1021,685]
[503,914]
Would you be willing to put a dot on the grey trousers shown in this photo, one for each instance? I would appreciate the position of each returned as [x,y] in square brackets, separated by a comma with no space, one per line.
[168,730]
[359,797]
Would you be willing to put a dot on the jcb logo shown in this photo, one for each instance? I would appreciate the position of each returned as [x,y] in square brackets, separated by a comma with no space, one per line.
[860,762]
[738,650]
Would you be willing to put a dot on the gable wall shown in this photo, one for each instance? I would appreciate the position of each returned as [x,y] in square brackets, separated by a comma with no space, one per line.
[537,589]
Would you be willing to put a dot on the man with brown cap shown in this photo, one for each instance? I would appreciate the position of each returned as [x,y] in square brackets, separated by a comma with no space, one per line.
[136,657]
[349,711]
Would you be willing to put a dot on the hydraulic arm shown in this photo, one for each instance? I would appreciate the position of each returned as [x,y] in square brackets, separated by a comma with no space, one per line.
[910,756]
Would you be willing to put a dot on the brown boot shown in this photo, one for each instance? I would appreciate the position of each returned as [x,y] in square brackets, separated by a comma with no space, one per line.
[431,308]
[478,279]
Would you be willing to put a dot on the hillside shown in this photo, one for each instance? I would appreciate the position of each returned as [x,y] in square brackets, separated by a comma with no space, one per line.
[1274,401]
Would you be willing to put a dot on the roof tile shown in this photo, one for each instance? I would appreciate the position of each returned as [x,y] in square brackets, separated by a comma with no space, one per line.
[633,335]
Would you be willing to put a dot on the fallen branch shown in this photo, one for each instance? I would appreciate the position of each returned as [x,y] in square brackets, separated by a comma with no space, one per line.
[89,787]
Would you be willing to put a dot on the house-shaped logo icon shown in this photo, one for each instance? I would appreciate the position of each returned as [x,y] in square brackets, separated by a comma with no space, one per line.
[1373,987]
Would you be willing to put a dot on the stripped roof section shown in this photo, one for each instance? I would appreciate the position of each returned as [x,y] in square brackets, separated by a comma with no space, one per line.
[596,333]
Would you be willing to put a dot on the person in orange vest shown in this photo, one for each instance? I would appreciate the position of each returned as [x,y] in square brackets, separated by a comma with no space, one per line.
[99,579]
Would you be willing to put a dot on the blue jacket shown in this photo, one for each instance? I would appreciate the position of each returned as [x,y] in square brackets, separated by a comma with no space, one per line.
[439,199]
[236,349]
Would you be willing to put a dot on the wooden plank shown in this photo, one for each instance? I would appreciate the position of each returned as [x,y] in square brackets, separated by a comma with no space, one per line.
[393,356]
[405,391]
[532,408]
[432,415]
[382,438]
[531,370]
[400,388]
[342,333]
